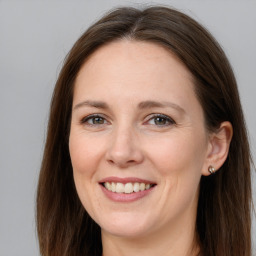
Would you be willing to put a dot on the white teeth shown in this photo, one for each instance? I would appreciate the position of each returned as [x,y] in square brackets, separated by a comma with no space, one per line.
[113,187]
[142,186]
[119,187]
[126,188]
[147,186]
[136,187]
[108,185]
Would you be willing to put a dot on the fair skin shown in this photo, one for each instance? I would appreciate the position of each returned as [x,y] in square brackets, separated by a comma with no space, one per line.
[136,119]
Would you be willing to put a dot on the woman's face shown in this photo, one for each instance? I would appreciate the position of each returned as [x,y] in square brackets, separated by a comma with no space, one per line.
[138,143]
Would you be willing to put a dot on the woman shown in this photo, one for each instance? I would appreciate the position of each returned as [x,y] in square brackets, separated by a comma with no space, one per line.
[147,151]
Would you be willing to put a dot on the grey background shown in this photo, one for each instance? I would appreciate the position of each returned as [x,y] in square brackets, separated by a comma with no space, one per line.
[35,36]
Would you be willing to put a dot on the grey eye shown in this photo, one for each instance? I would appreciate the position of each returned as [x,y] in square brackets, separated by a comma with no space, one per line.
[96,120]
[160,120]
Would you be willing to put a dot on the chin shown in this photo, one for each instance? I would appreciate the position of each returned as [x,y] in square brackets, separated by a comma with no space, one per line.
[125,232]
[125,226]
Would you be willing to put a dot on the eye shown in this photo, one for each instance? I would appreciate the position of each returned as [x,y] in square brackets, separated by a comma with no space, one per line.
[94,120]
[160,120]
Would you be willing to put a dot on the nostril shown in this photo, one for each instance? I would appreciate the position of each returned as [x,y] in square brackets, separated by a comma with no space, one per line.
[110,161]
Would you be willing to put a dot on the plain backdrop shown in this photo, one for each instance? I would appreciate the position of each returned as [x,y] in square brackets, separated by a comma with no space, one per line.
[35,36]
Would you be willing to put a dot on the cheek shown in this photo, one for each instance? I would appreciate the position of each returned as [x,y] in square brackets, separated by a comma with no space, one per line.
[84,153]
[85,159]
[179,160]
[178,154]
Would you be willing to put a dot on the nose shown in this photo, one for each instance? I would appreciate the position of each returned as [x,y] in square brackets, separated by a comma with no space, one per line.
[124,149]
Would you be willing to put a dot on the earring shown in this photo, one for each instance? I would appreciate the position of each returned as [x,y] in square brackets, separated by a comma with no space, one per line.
[211,169]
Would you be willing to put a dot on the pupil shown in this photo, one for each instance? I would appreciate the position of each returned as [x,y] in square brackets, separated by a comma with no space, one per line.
[98,120]
[160,121]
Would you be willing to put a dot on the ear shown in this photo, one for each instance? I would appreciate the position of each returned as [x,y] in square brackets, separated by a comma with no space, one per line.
[218,147]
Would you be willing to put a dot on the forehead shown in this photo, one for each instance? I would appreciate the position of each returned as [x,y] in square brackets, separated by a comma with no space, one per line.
[133,62]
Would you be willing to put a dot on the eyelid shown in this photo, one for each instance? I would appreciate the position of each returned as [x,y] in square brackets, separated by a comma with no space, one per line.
[168,118]
[85,119]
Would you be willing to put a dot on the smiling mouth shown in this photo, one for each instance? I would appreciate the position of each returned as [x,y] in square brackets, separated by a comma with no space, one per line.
[127,188]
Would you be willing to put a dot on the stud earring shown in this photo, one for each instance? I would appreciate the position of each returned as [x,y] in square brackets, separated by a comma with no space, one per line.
[211,169]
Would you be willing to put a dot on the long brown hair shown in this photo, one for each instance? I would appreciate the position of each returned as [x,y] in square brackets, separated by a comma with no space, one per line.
[224,207]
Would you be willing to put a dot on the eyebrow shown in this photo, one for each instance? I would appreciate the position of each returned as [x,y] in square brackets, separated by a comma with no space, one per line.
[142,105]
[157,104]
[89,103]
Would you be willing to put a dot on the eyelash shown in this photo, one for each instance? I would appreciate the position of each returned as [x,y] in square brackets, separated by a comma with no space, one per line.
[167,119]
[86,119]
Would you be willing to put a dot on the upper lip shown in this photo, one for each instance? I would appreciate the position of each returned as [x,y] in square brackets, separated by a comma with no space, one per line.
[126,180]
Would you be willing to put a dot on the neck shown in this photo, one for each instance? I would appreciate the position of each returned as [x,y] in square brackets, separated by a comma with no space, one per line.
[180,241]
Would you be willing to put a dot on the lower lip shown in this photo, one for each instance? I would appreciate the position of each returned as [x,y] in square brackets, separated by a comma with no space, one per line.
[122,197]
